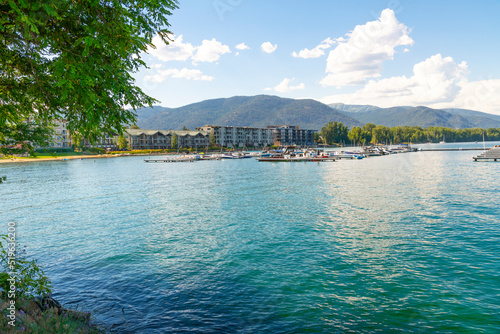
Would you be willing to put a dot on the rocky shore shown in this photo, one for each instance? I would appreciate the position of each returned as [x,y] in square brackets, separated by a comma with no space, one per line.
[45,315]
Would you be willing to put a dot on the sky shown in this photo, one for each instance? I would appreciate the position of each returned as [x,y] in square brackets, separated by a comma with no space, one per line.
[440,54]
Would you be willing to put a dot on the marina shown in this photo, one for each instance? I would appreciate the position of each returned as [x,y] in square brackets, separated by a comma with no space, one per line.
[290,154]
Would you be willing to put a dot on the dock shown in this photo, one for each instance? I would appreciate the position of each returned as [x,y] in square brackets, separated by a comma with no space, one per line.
[170,160]
[491,154]
[455,149]
[318,159]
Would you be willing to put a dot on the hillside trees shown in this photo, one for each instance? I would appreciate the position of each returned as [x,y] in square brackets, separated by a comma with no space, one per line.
[361,135]
[64,59]
[334,132]
[371,133]
[381,134]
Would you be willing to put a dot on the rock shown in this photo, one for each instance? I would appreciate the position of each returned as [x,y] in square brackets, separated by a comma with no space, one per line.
[31,307]
[49,302]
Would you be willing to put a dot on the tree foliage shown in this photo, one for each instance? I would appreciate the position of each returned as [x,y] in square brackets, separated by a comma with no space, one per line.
[122,142]
[175,141]
[73,60]
[30,279]
[334,132]
[213,139]
[417,134]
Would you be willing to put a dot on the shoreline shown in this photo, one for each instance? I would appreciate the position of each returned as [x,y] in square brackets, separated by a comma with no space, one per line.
[69,157]
[73,157]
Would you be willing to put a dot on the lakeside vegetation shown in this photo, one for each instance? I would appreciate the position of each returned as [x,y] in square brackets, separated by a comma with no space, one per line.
[25,296]
[336,132]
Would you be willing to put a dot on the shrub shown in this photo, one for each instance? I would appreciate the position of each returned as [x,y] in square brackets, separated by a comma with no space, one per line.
[55,150]
[30,280]
[96,150]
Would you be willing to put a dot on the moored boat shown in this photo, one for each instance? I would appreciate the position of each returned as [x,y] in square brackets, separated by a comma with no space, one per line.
[347,155]
[291,154]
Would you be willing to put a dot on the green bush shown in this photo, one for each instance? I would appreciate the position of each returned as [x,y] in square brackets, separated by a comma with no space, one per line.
[96,150]
[138,151]
[30,280]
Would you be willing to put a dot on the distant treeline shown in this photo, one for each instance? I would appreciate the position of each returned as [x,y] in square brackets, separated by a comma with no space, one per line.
[336,132]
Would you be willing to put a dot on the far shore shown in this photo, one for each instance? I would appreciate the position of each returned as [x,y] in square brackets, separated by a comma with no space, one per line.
[72,157]
[39,158]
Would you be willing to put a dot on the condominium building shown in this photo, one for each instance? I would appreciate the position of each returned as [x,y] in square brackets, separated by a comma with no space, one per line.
[139,139]
[225,136]
[61,137]
[292,135]
[233,136]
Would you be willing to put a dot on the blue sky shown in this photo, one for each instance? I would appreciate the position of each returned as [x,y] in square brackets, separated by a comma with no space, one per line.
[386,53]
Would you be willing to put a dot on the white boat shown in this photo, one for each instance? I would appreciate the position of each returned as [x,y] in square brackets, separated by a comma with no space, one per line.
[210,157]
[347,155]
[184,158]
[289,154]
[236,155]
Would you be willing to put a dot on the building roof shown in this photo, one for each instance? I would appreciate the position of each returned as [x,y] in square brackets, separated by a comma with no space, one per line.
[182,133]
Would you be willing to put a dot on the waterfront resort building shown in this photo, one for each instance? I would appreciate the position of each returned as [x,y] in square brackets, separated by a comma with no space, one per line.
[139,139]
[292,135]
[224,136]
[234,136]
[61,137]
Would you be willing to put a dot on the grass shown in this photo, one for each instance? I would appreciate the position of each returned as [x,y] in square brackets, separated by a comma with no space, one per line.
[48,155]
[61,154]
[31,319]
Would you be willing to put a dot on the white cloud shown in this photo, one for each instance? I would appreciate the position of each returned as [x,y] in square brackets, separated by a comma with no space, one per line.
[318,51]
[188,74]
[483,95]
[267,47]
[284,86]
[210,51]
[176,50]
[157,66]
[360,57]
[242,46]
[436,80]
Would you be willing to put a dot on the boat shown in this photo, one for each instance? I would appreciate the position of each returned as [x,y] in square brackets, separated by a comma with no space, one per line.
[291,154]
[210,157]
[236,155]
[177,159]
[182,158]
[371,151]
[347,155]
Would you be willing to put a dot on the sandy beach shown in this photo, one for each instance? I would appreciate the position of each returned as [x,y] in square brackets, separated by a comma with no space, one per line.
[70,157]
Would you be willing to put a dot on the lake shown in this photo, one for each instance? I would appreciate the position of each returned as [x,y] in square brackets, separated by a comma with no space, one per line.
[400,243]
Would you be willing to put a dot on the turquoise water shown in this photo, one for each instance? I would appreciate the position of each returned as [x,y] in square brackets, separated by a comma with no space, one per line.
[400,243]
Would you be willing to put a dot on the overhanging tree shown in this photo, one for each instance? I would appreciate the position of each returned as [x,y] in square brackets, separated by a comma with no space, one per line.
[73,60]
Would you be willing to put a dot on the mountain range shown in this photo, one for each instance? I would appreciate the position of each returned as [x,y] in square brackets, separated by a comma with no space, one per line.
[419,116]
[263,110]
